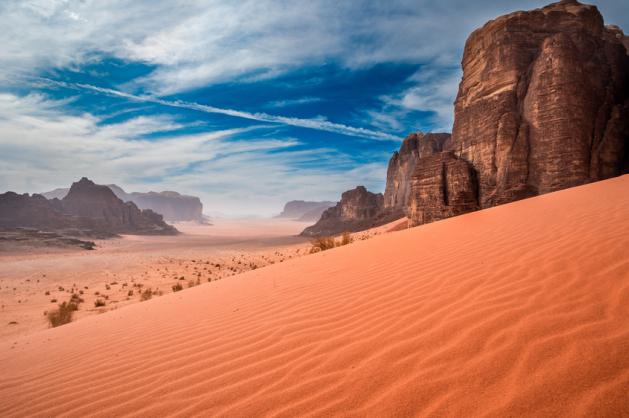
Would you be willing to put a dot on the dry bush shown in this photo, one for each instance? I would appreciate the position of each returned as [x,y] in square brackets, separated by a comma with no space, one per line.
[322,244]
[63,314]
[146,295]
[346,238]
[177,287]
[99,302]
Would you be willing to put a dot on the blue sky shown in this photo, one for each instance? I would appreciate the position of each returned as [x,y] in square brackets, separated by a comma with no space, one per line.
[246,104]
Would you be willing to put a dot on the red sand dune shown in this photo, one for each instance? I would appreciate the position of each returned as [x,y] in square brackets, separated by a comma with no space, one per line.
[519,310]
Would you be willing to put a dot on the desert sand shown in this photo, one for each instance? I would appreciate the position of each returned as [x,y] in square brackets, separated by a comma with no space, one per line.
[36,280]
[518,310]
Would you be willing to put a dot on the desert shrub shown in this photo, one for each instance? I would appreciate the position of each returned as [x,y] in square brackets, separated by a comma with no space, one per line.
[99,302]
[63,314]
[146,295]
[76,299]
[177,287]
[346,238]
[322,244]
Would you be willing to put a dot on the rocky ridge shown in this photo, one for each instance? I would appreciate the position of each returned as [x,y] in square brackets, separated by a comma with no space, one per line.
[173,206]
[87,210]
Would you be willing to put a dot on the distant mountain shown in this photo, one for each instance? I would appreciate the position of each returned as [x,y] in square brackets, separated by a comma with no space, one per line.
[171,205]
[303,210]
[87,209]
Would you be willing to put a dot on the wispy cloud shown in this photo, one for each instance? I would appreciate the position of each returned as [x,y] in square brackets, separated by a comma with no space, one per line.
[194,44]
[232,170]
[317,124]
[293,102]
[432,90]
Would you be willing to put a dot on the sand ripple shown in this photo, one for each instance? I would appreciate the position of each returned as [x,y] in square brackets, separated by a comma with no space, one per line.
[520,310]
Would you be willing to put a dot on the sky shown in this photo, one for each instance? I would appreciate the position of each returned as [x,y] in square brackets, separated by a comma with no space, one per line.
[246,104]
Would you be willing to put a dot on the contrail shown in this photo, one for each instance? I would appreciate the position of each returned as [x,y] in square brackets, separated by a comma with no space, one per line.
[321,125]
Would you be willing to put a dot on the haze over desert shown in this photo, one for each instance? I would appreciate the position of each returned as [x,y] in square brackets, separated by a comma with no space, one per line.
[307,209]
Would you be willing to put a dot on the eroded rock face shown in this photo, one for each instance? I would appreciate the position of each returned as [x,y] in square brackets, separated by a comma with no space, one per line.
[402,166]
[442,186]
[544,102]
[358,209]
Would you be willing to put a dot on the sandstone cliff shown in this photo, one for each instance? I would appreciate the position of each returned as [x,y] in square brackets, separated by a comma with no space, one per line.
[358,209]
[442,186]
[402,166]
[543,103]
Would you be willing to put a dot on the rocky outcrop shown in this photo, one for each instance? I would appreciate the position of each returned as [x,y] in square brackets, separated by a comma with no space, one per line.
[23,210]
[402,166]
[87,209]
[543,103]
[172,206]
[442,186]
[303,210]
[89,200]
[358,209]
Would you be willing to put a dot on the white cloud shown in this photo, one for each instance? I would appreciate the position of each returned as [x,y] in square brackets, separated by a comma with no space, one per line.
[198,43]
[50,149]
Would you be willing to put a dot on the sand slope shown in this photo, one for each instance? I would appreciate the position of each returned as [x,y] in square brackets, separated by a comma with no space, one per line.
[519,310]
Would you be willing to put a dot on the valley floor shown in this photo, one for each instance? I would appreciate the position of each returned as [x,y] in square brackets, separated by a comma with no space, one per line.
[518,310]
[118,271]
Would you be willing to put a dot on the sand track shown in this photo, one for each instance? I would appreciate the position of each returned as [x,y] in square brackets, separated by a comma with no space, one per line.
[519,310]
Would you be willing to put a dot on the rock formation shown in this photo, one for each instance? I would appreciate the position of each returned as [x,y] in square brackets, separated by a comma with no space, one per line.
[88,210]
[402,166]
[543,103]
[358,209]
[93,201]
[442,186]
[172,206]
[303,210]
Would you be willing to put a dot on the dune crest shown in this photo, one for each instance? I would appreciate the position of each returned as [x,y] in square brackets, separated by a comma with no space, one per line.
[517,310]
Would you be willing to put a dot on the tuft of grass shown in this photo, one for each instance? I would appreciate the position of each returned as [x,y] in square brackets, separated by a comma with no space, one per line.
[63,314]
[177,287]
[99,302]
